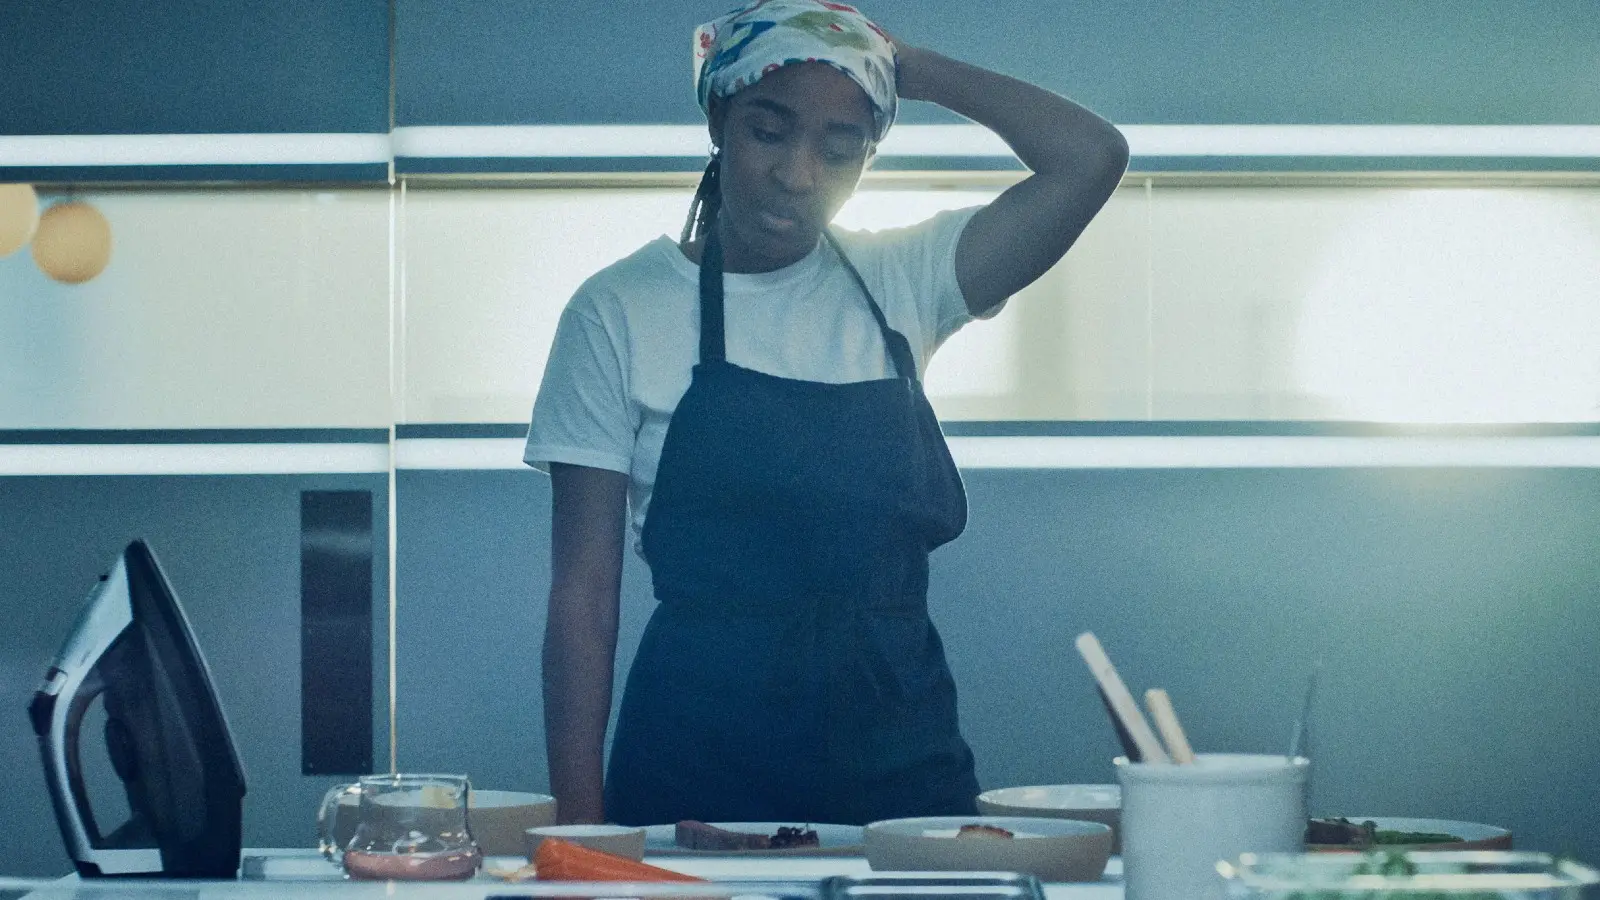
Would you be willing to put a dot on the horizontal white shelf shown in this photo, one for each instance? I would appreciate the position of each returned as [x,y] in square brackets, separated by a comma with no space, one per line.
[1575,142]
[193,459]
[194,149]
[534,141]
[1290,452]
[459,453]
[1157,452]
[1142,452]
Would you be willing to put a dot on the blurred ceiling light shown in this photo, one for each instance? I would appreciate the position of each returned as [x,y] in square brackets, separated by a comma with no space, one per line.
[19,216]
[73,243]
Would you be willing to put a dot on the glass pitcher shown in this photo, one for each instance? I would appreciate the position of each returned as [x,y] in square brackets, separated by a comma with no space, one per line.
[406,827]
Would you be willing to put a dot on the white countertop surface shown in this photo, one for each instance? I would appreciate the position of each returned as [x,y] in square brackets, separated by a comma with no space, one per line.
[818,867]
[314,878]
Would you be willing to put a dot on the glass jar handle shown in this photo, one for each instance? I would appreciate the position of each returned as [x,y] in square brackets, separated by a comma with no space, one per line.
[328,820]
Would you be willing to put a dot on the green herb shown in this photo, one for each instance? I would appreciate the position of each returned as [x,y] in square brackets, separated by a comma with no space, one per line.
[1388,864]
[1343,832]
[1386,836]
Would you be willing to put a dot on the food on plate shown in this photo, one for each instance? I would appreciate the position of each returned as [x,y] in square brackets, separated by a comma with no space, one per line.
[1388,836]
[1339,832]
[984,831]
[558,860]
[788,837]
[700,836]
[1345,833]
[522,873]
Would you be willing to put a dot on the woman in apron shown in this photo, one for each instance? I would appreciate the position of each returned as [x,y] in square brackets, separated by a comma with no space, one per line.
[751,395]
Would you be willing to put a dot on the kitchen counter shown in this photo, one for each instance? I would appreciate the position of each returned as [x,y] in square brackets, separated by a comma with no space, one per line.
[818,867]
[304,874]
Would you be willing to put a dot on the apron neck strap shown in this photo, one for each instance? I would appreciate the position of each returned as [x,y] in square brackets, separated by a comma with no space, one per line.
[899,347]
[713,344]
[713,348]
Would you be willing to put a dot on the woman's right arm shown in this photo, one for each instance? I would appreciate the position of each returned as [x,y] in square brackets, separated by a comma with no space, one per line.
[588,522]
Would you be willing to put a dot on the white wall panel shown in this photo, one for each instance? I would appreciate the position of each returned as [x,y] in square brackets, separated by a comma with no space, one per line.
[486,275]
[1400,303]
[271,307]
[227,309]
[1229,268]
[1098,336]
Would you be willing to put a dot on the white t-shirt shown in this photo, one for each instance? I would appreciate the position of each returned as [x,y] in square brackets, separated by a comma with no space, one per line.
[629,337]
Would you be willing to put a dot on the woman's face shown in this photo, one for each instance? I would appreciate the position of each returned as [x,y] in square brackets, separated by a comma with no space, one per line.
[794,145]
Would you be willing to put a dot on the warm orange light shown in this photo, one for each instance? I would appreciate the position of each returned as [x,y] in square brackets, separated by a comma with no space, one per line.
[73,243]
[19,216]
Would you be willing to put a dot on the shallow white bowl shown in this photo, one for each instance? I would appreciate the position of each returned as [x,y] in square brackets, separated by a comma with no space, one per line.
[1083,802]
[499,818]
[1052,849]
[622,840]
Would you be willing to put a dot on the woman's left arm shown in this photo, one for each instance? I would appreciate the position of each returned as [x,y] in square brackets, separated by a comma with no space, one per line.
[1076,159]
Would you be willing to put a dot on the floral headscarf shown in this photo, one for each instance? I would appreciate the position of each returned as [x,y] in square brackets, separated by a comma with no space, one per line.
[735,51]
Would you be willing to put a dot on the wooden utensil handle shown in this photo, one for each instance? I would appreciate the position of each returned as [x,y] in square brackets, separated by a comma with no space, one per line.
[1122,702]
[1167,723]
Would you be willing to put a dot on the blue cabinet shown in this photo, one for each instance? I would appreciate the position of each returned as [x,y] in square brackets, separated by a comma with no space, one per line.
[508,85]
[247,73]
[250,72]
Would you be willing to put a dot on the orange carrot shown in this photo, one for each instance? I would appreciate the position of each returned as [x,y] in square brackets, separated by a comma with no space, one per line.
[558,860]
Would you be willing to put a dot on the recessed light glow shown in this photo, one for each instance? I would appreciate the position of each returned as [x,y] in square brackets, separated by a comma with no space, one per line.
[1458,306]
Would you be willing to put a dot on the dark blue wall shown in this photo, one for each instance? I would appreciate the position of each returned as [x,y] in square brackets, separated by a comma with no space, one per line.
[1455,612]
[231,547]
[126,67]
[1213,61]
[201,66]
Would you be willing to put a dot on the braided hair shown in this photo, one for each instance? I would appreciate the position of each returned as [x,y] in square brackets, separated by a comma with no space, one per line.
[707,201]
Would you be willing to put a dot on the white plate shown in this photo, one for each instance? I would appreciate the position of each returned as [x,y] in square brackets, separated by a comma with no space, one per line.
[1022,828]
[1474,835]
[834,840]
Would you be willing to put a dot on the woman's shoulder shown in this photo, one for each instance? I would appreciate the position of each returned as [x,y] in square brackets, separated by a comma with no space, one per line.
[911,272]
[915,254]
[933,233]
[654,268]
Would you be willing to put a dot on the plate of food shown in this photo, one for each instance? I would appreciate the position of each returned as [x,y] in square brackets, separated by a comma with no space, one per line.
[1084,802]
[693,838]
[1361,833]
[1050,849]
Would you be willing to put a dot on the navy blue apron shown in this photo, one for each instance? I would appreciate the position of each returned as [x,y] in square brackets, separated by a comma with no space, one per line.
[790,671]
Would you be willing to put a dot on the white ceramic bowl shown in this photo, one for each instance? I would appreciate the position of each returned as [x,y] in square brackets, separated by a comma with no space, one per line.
[1052,849]
[499,818]
[623,840]
[1083,802]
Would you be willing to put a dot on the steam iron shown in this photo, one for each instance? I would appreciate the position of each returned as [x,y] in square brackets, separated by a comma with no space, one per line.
[165,733]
